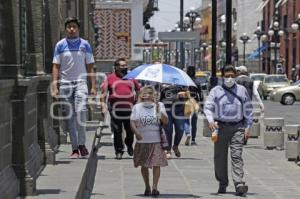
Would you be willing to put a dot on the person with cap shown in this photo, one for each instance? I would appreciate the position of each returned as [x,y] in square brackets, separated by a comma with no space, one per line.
[251,87]
[228,109]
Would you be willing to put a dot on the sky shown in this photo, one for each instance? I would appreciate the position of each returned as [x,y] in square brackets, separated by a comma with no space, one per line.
[168,13]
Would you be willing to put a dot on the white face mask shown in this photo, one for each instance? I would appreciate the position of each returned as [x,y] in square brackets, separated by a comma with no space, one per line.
[148,104]
[229,82]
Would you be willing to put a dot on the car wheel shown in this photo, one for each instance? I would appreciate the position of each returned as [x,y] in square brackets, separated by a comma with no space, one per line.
[288,99]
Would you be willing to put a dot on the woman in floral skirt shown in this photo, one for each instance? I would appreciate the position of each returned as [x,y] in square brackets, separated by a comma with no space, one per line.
[145,121]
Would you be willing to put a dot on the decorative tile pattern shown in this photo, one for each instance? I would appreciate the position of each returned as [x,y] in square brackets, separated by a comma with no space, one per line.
[114,33]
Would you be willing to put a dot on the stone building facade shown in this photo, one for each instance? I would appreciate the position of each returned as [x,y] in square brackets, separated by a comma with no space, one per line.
[29,137]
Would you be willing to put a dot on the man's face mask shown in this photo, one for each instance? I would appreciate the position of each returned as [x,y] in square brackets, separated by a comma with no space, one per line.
[229,82]
[123,71]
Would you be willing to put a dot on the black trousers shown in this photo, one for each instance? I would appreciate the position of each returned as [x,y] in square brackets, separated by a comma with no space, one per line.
[120,119]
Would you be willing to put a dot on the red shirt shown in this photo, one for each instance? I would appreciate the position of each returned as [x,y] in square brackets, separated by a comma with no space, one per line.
[122,93]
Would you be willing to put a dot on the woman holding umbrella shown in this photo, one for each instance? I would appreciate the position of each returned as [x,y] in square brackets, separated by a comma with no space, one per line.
[145,120]
[174,78]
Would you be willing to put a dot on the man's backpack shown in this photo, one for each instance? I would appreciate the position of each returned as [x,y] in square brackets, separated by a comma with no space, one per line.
[247,82]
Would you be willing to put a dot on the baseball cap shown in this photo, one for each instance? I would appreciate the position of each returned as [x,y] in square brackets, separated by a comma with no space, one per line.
[241,69]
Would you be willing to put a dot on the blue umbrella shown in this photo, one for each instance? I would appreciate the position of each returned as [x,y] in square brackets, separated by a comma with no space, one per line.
[161,73]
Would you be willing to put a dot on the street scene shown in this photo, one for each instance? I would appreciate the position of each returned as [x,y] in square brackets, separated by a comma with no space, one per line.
[149,98]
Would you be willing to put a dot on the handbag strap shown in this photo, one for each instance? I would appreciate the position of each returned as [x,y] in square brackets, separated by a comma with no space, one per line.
[234,94]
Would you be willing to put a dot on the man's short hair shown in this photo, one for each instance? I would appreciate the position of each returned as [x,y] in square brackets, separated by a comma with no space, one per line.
[117,62]
[228,68]
[71,20]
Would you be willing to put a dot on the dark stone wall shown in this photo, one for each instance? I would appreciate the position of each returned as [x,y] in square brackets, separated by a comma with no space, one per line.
[9,39]
[27,155]
[9,184]
[29,137]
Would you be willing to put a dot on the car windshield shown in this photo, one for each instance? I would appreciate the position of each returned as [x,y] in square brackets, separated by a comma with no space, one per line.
[257,77]
[275,79]
[202,79]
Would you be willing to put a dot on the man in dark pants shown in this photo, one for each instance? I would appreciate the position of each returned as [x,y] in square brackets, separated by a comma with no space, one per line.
[122,96]
[229,109]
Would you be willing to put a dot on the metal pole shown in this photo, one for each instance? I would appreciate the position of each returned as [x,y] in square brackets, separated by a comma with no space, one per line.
[244,56]
[182,55]
[228,30]
[213,79]
[176,54]
[204,55]
[275,51]
[259,57]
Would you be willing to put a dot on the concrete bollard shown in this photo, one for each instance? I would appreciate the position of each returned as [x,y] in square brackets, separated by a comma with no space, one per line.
[293,142]
[273,135]
[206,132]
[255,131]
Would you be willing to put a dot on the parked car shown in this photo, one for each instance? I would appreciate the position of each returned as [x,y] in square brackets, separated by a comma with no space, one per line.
[203,79]
[287,95]
[271,82]
[257,76]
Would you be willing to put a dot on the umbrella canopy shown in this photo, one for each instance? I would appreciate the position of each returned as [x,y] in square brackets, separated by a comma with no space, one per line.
[161,73]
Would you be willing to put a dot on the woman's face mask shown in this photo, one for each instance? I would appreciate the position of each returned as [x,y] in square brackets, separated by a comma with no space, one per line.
[148,104]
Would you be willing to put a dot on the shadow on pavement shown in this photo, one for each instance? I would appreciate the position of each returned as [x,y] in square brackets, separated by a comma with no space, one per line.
[172,196]
[232,193]
[174,158]
[48,191]
[254,147]
[62,162]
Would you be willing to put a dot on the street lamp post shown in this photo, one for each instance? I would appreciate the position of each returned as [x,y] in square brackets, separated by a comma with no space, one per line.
[203,48]
[244,38]
[193,16]
[258,33]
[295,27]
[214,11]
[276,32]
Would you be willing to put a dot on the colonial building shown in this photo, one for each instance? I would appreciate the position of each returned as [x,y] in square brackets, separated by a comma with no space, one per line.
[286,45]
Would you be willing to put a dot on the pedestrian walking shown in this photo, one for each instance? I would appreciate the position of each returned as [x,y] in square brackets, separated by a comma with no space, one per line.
[72,64]
[197,95]
[174,104]
[121,98]
[228,109]
[145,121]
[252,89]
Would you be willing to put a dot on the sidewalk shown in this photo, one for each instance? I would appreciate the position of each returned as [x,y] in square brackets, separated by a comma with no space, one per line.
[268,174]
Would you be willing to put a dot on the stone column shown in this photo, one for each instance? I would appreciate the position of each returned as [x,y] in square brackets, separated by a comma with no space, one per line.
[47,137]
[35,38]
[26,153]
[9,184]
[52,30]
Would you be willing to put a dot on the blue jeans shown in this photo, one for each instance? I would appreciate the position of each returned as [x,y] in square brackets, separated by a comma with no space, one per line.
[194,119]
[179,129]
[187,126]
[73,97]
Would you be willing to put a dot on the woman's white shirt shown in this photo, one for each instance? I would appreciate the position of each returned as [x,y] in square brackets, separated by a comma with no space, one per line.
[146,121]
